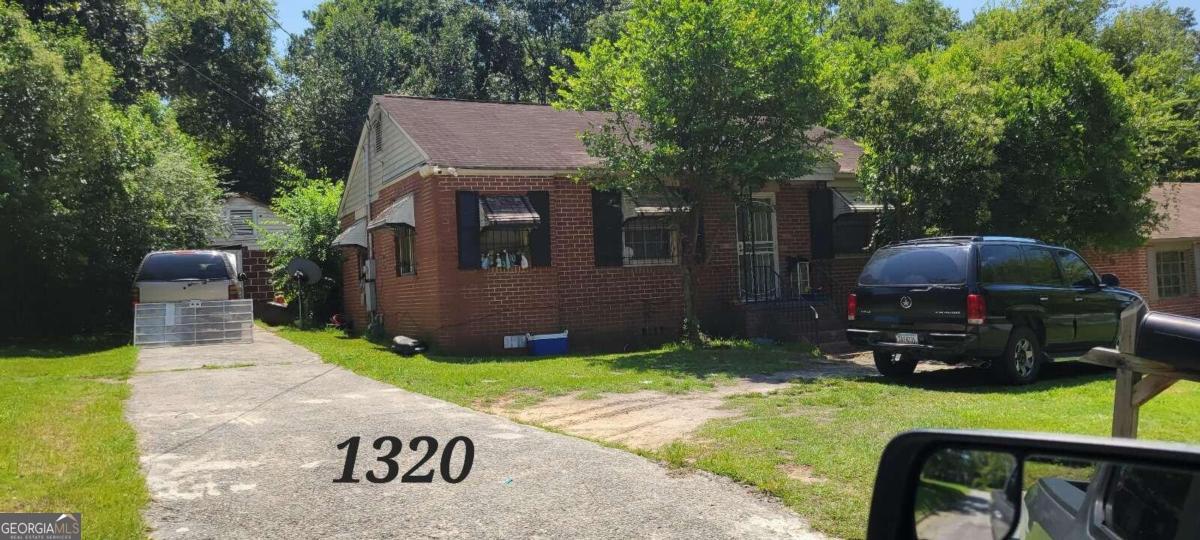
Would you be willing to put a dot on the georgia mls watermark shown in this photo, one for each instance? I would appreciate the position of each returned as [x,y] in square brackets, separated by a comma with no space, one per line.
[40,526]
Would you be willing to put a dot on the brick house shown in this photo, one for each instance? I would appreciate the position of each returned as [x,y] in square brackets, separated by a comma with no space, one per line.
[461,226]
[243,216]
[1166,270]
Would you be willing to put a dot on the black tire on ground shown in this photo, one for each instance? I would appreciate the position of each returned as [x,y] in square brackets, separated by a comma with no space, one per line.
[895,365]
[1022,360]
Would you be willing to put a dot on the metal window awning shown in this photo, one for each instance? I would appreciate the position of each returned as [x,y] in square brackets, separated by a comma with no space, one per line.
[507,211]
[356,235]
[652,205]
[852,201]
[399,213]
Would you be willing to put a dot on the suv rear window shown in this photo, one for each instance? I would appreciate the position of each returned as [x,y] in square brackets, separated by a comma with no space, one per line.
[180,266]
[917,265]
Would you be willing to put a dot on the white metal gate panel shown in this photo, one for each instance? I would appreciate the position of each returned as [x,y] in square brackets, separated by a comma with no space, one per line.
[194,322]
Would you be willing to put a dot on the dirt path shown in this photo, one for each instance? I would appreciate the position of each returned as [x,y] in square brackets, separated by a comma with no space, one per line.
[649,419]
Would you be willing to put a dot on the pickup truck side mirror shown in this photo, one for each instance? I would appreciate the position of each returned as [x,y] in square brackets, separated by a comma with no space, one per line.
[1110,280]
[989,485]
[241,276]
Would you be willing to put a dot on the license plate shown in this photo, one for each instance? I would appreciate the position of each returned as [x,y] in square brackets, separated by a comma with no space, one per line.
[908,339]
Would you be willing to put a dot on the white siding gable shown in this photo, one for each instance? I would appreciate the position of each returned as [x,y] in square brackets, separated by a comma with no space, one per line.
[392,153]
[236,231]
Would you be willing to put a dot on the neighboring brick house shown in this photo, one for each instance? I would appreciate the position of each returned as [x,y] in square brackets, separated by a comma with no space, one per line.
[1165,271]
[462,226]
[243,216]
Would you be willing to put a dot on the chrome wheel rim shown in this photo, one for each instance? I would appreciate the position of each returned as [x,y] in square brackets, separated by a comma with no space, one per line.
[1023,357]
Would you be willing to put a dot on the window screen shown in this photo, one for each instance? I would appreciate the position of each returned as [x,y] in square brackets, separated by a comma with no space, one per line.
[1041,269]
[1001,264]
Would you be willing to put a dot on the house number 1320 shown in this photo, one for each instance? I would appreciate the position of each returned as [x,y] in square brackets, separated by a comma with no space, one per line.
[391,447]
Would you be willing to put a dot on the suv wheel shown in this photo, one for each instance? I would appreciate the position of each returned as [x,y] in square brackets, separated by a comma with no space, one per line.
[894,364]
[1022,360]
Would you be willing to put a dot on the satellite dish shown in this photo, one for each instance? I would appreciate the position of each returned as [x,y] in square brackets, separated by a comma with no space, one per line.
[303,270]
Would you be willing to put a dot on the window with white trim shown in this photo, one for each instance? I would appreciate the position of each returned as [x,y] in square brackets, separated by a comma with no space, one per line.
[1175,272]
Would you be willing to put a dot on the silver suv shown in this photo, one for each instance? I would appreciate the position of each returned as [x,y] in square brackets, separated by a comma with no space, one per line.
[176,276]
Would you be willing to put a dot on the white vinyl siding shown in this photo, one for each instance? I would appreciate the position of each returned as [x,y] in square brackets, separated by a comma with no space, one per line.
[395,154]
[235,232]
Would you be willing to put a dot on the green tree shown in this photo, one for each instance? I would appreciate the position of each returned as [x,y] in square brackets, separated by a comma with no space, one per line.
[499,49]
[86,187]
[1035,138]
[914,25]
[1011,19]
[213,63]
[869,36]
[1158,52]
[310,212]
[712,96]
[115,28]
[930,132]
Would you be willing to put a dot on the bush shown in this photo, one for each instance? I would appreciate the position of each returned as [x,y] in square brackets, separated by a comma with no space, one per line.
[310,212]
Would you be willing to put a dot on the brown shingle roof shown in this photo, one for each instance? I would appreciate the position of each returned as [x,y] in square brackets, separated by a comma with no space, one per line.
[492,135]
[1182,202]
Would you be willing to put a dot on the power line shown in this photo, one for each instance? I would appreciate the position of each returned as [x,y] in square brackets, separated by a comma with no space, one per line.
[217,84]
[267,12]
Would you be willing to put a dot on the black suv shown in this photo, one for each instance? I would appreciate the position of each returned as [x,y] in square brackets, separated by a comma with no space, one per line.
[981,300]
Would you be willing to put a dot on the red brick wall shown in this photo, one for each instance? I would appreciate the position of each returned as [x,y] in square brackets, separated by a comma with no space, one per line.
[352,303]
[607,307]
[1133,269]
[469,311]
[255,265]
[1130,266]
[409,304]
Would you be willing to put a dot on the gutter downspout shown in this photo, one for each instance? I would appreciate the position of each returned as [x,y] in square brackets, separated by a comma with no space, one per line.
[372,316]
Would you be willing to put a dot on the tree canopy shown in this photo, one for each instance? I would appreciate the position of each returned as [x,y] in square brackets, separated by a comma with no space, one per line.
[713,97]
[212,59]
[499,50]
[87,186]
[1042,118]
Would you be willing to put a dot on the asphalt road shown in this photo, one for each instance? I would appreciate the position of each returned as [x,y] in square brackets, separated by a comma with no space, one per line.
[251,452]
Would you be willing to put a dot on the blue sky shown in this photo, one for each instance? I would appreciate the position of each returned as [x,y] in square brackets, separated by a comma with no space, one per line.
[291,14]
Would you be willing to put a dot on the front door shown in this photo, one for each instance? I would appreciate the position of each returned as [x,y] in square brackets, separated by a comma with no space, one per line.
[758,262]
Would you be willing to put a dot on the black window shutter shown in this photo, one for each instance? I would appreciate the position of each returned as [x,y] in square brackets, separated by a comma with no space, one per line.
[539,237]
[606,227]
[820,214]
[468,230]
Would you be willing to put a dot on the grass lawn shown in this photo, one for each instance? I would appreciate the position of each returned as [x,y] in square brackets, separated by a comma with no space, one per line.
[835,429]
[521,380]
[64,443]
[814,445]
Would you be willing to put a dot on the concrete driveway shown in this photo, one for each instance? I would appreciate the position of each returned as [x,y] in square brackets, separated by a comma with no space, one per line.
[239,441]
